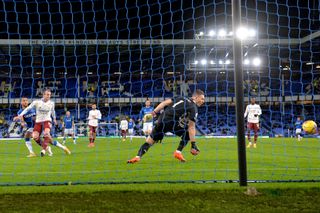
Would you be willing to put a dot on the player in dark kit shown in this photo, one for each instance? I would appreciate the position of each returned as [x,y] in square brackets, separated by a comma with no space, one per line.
[179,117]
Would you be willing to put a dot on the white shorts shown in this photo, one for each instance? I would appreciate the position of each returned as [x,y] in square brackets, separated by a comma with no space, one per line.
[147,126]
[298,131]
[30,130]
[130,131]
[68,131]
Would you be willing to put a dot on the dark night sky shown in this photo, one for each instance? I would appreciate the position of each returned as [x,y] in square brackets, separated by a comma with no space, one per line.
[151,19]
[145,19]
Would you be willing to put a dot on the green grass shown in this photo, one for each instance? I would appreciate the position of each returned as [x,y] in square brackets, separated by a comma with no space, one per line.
[274,159]
[275,197]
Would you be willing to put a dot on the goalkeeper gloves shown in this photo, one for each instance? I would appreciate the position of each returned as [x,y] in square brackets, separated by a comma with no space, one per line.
[194,149]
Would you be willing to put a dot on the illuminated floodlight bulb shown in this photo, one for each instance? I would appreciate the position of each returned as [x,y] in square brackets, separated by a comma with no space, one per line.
[203,61]
[222,33]
[256,62]
[212,33]
[242,33]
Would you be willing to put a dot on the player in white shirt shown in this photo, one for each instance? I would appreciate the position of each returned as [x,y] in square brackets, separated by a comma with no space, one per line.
[44,110]
[94,117]
[124,128]
[253,111]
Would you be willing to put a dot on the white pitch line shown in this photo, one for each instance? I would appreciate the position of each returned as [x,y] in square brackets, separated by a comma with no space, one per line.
[162,170]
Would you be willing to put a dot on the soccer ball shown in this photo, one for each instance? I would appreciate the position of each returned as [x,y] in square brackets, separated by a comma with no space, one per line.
[309,127]
[148,118]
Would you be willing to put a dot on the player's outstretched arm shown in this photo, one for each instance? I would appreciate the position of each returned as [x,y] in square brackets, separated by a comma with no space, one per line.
[192,134]
[32,105]
[162,105]
[192,131]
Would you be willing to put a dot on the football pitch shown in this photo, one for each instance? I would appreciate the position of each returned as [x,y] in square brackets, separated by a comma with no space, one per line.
[275,159]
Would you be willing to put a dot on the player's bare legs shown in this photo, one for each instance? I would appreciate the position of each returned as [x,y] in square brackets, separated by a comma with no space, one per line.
[48,139]
[36,138]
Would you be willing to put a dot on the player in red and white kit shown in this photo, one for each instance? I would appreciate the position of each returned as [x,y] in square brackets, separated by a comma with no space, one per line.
[124,128]
[44,110]
[94,117]
[253,111]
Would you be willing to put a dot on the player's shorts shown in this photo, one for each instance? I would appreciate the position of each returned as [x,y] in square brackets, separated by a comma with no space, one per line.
[68,131]
[29,129]
[253,126]
[93,128]
[161,127]
[298,131]
[39,127]
[147,126]
[130,131]
[123,132]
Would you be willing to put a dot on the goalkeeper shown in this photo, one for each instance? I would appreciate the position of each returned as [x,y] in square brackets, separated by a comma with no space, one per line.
[179,117]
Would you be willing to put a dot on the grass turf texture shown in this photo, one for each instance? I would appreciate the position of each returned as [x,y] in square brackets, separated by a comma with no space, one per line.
[275,197]
[274,159]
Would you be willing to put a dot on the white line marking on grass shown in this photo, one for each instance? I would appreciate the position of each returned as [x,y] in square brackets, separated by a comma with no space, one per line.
[158,170]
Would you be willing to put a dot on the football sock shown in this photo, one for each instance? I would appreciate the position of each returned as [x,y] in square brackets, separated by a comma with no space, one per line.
[143,149]
[182,144]
[57,144]
[255,137]
[28,144]
[38,141]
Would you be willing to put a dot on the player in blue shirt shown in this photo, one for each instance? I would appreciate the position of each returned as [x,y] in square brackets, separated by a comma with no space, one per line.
[147,118]
[27,123]
[298,126]
[130,128]
[68,125]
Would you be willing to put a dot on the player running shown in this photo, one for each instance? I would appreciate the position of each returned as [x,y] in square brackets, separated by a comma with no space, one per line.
[298,125]
[68,125]
[44,110]
[27,123]
[124,128]
[253,111]
[179,117]
[94,117]
[147,118]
